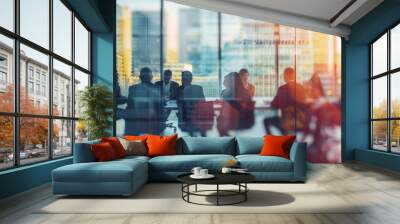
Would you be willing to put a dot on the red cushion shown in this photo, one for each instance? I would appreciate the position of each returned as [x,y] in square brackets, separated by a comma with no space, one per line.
[116,145]
[103,152]
[136,138]
[161,145]
[277,145]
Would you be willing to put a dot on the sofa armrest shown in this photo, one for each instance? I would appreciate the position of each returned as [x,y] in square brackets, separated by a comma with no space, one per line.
[298,155]
[83,152]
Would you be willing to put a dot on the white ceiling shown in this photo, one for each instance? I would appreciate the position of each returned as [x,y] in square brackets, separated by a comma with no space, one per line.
[313,15]
[320,9]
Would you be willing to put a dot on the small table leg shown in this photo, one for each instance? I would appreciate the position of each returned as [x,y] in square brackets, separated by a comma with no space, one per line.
[217,194]
[195,188]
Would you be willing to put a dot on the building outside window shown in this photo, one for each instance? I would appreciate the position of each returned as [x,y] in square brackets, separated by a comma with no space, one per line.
[34,79]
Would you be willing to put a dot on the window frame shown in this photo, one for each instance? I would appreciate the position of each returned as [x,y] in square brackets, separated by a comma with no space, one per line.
[16,115]
[388,74]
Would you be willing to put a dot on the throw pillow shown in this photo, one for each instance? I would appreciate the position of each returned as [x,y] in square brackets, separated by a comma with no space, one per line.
[117,146]
[103,152]
[161,145]
[137,148]
[277,145]
[136,137]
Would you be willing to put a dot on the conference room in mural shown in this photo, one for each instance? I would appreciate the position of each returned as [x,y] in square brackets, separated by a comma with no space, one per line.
[196,72]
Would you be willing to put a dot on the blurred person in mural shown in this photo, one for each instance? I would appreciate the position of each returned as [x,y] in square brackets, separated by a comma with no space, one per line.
[323,120]
[144,106]
[291,103]
[244,76]
[189,97]
[237,111]
[168,88]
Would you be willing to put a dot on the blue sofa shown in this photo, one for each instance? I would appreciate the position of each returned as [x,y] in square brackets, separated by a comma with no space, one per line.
[125,176]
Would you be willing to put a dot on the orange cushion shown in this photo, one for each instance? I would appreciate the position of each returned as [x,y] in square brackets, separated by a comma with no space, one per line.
[116,145]
[136,138]
[103,152]
[277,145]
[161,145]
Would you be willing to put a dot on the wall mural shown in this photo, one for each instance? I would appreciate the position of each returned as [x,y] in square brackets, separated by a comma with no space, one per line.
[200,73]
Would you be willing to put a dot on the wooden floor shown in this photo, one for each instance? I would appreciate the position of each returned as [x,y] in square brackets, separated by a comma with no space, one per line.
[377,188]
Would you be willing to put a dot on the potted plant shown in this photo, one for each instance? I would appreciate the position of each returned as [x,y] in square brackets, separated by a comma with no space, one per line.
[96,103]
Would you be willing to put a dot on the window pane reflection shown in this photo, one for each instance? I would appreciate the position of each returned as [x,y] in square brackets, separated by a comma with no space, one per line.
[62,29]
[6,142]
[34,144]
[62,89]
[6,74]
[81,45]
[379,135]
[35,21]
[62,138]
[34,78]
[395,47]
[379,98]
[379,56]
[7,14]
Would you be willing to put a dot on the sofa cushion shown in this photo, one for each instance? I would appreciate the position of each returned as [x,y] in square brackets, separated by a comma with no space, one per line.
[249,145]
[257,163]
[161,145]
[207,145]
[185,163]
[112,171]
[83,152]
[103,152]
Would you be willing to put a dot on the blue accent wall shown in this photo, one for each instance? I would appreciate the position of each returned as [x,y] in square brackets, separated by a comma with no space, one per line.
[356,51]
[24,178]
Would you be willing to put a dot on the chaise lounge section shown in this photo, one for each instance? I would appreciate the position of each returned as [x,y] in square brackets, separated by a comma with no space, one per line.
[125,176]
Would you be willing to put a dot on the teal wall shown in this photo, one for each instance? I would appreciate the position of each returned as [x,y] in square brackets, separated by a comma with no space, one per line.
[24,178]
[356,94]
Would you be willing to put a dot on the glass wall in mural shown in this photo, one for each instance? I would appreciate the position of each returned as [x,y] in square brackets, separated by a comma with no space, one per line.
[196,72]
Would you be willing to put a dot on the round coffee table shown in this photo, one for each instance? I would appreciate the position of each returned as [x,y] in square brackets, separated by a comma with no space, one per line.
[238,179]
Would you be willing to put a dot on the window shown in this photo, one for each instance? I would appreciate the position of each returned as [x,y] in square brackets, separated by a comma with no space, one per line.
[6,73]
[35,21]
[385,97]
[7,14]
[81,45]
[62,29]
[44,112]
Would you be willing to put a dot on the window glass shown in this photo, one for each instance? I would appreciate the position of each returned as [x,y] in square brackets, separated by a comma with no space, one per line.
[395,136]
[81,131]
[395,95]
[33,140]
[379,135]
[6,74]
[379,98]
[62,29]
[62,89]
[62,138]
[34,21]
[6,142]
[7,14]
[379,56]
[38,102]
[81,45]
[395,47]
[81,82]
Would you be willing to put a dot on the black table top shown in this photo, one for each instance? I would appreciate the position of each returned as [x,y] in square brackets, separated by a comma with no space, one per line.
[220,178]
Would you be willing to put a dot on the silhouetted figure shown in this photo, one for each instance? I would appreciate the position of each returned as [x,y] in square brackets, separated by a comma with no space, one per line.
[290,101]
[144,106]
[244,76]
[323,132]
[190,96]
[237,110]
[168,88]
